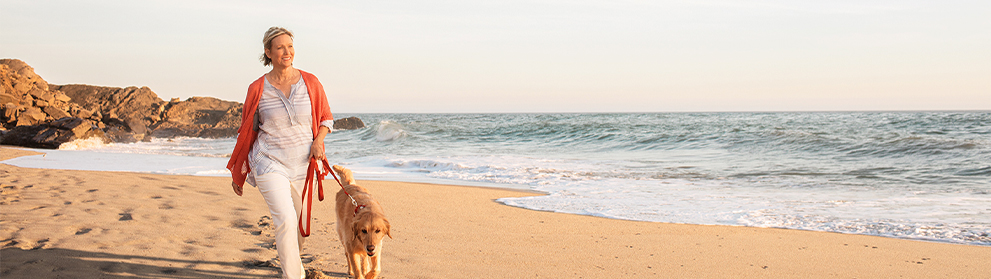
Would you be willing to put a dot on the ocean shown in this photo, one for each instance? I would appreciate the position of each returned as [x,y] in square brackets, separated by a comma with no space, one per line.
[913,175]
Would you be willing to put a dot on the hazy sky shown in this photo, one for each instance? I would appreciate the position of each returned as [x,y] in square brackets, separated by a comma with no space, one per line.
[529,56]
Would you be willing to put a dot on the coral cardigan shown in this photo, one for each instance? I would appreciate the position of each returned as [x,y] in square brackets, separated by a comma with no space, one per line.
[246,134]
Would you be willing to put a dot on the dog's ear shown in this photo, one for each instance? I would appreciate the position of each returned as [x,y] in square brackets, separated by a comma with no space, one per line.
[388,227]
[354,229]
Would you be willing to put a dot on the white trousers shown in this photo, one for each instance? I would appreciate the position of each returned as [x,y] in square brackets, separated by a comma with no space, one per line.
[284,203]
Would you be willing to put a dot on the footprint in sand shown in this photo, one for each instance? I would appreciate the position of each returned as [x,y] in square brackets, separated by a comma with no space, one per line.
[83,231]
[257,263]
[267,245]
[307,258]
[264,222]
[241,224]
[40,244]
[125,216]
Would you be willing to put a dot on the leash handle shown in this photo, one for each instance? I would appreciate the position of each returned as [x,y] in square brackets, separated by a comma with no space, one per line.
[312,171]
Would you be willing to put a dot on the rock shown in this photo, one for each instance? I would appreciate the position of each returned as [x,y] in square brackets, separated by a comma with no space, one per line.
[10,113]
[51,135]
[62,97]
[8,98]
[30,116]
[78,126]
[123,110]
[349,123]
[22,77]
[199,117]
[55,113]
[130,103]
[217,133]
[42,95]
[83,113]
[118,131]
[27,101]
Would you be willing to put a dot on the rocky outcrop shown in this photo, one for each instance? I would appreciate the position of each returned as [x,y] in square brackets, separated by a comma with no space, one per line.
[34,115]
[52,135]
[37,114]
[199,117]
[25,98]
[349,123]
[125,112]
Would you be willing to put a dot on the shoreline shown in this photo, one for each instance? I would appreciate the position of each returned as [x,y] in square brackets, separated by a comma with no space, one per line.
[118,224]
[25,151]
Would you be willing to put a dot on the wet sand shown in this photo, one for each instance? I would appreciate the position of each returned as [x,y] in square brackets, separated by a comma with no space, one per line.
[91,224]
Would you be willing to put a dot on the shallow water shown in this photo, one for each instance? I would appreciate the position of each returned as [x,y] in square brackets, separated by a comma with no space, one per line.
[920,175]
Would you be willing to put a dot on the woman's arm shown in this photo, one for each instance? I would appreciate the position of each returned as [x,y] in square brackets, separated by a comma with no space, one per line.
[317,150]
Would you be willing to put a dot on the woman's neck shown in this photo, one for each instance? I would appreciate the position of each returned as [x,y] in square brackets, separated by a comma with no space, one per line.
[280,73]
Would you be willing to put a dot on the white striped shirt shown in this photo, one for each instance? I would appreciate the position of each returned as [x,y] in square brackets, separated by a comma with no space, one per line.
[285,133]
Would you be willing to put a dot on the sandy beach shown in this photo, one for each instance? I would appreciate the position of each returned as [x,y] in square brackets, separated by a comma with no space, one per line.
[88,224]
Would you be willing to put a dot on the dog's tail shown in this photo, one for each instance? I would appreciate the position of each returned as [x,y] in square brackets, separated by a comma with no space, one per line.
[346,176]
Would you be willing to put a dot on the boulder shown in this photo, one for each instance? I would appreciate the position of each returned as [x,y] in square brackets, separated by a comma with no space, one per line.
[55,113]
[62,97]
[42,95]
[78,126]
[6,97]
[349,123]
[10,113]
[30,116]
[83,113]
[51,135]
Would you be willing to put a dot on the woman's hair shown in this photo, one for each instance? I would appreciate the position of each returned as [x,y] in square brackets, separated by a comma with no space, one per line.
[270,35]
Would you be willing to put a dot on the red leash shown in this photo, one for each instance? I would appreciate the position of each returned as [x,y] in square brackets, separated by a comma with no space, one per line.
[313,171]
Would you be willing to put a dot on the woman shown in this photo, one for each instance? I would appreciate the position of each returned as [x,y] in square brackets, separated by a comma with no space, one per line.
[284,121]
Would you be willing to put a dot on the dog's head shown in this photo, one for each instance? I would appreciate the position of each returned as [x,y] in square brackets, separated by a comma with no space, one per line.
[369,229]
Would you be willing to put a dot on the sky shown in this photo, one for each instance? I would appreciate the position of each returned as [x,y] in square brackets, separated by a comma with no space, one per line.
[421,56]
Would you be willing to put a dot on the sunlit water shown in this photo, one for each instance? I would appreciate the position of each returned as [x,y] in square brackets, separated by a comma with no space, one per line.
[923,175]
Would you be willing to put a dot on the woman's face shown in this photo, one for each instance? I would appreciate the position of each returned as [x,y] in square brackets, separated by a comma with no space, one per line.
[281,52]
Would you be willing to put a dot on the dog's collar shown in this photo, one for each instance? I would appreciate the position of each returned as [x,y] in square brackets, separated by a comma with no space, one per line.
[356,208]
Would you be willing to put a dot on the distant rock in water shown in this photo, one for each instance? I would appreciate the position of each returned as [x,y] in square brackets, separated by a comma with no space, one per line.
[36,114]
[349,123]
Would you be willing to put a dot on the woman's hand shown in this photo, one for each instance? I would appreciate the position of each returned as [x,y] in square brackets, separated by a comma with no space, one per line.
[238,189]
[317,151]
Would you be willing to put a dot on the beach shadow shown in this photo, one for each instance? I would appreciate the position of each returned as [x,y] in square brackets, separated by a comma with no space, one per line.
[67,263]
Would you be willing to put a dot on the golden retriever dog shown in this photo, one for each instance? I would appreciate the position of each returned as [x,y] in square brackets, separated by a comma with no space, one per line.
[361,227]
